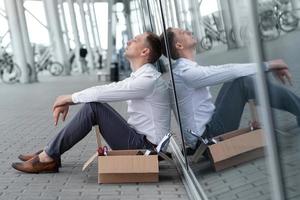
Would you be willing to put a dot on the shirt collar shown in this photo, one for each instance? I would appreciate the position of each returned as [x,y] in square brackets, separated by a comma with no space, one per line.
[140,70]
[184,62]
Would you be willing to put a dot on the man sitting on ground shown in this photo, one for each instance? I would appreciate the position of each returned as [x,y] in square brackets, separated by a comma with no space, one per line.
[147,97]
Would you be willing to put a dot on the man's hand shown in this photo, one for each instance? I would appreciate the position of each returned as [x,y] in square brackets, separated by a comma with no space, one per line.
[62,100]
[60,110]
[280,70]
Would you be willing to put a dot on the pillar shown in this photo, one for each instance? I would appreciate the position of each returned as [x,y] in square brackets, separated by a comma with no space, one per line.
[16,38]
[56,36]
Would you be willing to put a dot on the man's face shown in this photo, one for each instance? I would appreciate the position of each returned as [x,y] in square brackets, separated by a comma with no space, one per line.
[136,46]
[184,37]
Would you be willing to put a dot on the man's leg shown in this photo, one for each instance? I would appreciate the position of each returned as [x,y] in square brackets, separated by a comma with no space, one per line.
[235,94]
[114,129]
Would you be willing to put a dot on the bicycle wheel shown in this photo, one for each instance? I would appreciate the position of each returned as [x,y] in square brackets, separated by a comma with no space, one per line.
[206,42]
[268,34]
[288,21]
[56,68]
[11,73]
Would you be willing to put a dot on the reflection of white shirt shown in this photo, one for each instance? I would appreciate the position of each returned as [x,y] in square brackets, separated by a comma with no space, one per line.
[147,97]
[194,99]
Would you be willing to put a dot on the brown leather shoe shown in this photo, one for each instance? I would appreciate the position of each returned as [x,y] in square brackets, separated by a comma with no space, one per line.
[35,166]
[25,157]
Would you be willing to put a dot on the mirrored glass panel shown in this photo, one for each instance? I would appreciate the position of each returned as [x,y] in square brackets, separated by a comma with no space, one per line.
[281,40]
[219,102]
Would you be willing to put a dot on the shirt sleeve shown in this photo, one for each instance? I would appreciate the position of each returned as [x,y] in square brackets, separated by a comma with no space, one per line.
[127,89]
[200,76]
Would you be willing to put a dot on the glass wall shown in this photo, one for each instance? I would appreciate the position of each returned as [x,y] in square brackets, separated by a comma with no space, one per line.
[220,89]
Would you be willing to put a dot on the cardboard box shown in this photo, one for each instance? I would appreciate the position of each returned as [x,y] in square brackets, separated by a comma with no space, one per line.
[233,148]
[236,147]
[125,166]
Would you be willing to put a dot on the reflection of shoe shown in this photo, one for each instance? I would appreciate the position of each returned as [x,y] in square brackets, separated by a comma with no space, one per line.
[35,166]
[25,157]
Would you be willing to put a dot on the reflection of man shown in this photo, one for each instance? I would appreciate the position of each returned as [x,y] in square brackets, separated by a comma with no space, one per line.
[148,107]
[198,112]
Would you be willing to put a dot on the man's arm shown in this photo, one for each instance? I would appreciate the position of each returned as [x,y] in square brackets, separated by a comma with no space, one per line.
[200,76]
[127,89]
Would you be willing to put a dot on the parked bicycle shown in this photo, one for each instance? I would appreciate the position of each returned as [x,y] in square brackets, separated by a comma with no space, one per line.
[55,68]
[10,72]
[273,21]
[212,34]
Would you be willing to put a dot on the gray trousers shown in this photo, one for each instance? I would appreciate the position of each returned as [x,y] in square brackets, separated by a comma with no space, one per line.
[234,95]
[114,129]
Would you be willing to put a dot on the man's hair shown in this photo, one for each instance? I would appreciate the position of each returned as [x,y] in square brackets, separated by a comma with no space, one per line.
[154,45]
[171,43]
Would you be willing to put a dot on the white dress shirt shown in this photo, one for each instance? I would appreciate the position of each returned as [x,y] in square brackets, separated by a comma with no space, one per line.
[194,98]
[147,97]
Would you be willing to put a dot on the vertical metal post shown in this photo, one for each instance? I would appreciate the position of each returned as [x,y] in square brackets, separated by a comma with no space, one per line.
[56,34]
[127,18]
[16,38]
[75,32]
[109,39]
[64,25]
[195,19]
[171,13]
[184,12]
[235,15]
[226,16]
[86,35]
[27,45]
[152,28]
[278,191]
[88,2]
[96,26]
[177,12]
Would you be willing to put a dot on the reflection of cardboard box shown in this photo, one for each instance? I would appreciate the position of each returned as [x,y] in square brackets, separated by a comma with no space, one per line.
[125,166]
[233,148]
[236,147]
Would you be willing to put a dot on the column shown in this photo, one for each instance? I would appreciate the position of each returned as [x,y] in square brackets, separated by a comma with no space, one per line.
[86,36]
[97,26]
[56,35]
[75,32]
[88,2]
[109,38]
[64,25]
[235,10]
[27,45]
[226,16]
[16,38]
[195,20]
[177,12]
[127,18]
